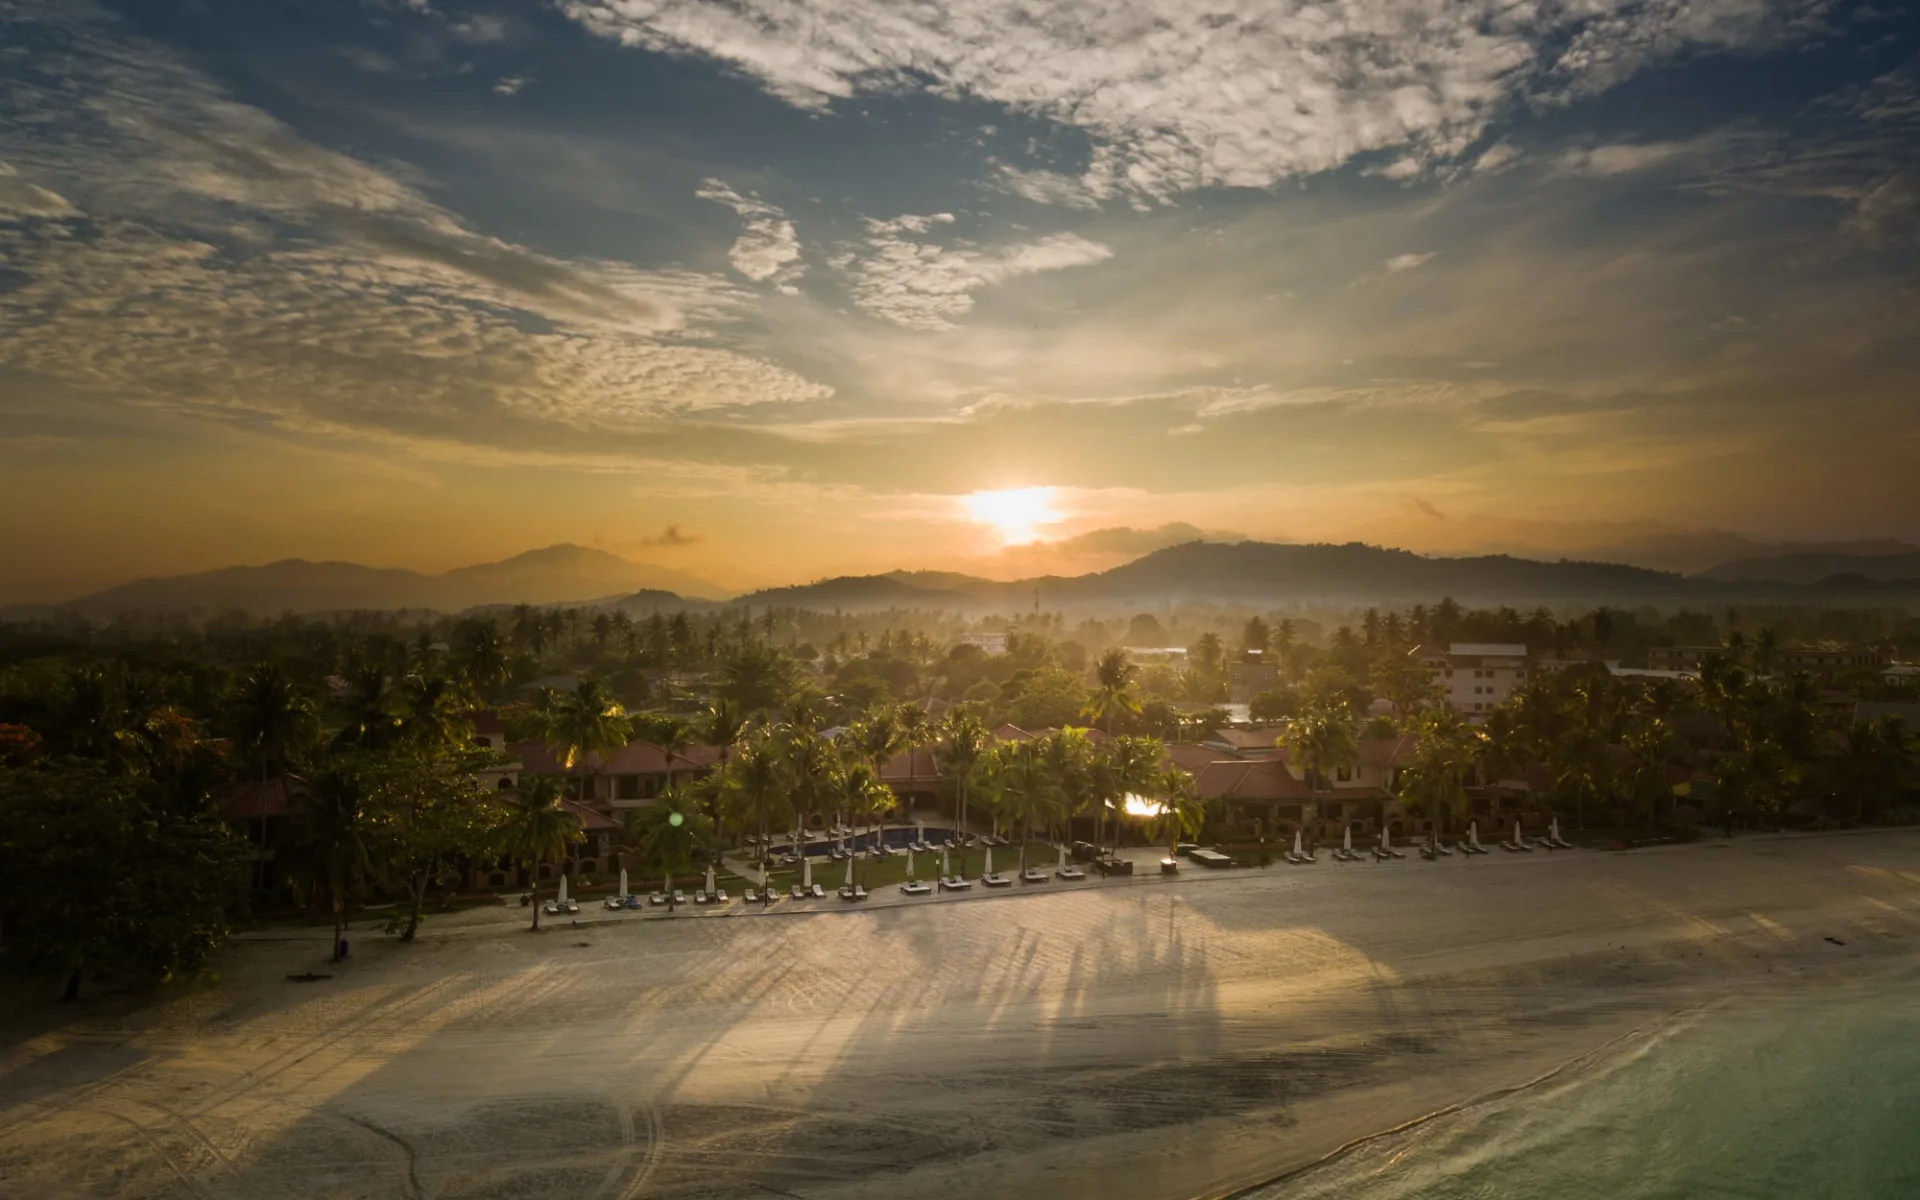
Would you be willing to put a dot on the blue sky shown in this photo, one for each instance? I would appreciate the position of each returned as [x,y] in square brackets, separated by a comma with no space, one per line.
[423,282]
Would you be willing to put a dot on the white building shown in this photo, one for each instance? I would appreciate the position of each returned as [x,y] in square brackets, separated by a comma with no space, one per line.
[1473,677]
[991,643]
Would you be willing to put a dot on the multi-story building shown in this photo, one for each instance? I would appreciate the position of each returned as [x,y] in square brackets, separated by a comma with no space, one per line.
[1249,677]
[1474,677]
[994,642]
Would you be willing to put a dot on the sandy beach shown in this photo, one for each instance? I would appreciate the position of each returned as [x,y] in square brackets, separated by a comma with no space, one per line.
[1152,1041]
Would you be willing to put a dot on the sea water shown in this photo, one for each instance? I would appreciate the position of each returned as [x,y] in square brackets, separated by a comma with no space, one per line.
[1812,1098]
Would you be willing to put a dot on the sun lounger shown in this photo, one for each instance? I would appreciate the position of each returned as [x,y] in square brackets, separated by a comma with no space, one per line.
[819,893]
[954,883]
[701,897]
[720,895]
[1071,873]
[752,896]
[1033,875]
[859,892]
[615,902]
[996,880]
[798,892]
[570,908]
[913,887]
[679,897]
[551,908]
[845,892]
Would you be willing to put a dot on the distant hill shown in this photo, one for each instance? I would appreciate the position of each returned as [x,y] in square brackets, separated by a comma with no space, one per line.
[866,593]
[1810,568]
[554,575]
[1252,573]
[1269,572]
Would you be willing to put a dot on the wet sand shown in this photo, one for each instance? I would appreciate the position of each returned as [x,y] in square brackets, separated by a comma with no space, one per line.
[1151,1041]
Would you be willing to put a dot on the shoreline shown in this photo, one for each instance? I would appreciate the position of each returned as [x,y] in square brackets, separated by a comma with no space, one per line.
[1146,1042]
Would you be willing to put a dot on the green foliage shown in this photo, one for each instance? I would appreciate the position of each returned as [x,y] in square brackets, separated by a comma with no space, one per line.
[101,873]
[1047,698]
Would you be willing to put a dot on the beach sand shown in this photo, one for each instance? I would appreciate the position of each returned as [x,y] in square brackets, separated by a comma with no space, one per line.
[1150,1041]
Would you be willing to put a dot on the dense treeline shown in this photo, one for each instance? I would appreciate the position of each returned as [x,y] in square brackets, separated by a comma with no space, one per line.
[118,744]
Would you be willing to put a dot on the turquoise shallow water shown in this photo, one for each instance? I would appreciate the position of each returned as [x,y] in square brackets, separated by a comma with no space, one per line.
[1813,1098]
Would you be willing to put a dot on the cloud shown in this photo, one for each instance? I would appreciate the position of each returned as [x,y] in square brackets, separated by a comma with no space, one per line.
[229,269]
[921,285]
[479,29]
[510,85]
[672,538]
[769,249]
[1407,262]
[1178,95]
[1497,157]
[22,199]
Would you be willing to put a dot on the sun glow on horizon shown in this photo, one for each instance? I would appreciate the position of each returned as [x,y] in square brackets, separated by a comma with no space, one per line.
[1016,514]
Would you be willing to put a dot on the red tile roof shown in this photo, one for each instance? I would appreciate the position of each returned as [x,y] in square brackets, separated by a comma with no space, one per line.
[1191,757]
[1386,752]
[1259,779]
[486,722]
[916,767]
[591,819]
[283,795]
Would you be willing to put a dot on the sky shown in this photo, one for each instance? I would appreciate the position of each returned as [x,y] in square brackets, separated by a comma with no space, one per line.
[772,290]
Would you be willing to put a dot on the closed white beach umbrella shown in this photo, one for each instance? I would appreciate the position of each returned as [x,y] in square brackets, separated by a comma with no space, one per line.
[1296,844]
[623,883]
[989,866]
[806,872]
[710,888]
[563,889]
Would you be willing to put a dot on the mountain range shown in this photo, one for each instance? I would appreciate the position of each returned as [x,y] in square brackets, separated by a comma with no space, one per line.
[1236,573]
[555,575]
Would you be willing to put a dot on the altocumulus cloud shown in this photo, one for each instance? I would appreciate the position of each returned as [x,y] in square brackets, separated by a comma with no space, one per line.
[769,249]
[226,265]
[1180,95]
[898,274]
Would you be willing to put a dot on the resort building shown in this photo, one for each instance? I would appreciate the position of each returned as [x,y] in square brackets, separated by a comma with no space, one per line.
[1247,679]
[1474,677]
[990,643]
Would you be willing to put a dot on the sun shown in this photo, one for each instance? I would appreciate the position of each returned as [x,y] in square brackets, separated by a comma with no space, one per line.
[1016,514]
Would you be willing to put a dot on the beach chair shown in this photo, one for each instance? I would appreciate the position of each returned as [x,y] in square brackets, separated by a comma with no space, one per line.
[752,896]
[798,892]
[819,893]
[679,897]
[720,895]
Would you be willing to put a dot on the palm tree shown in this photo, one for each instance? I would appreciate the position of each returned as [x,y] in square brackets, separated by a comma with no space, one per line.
[1025,789]
[273,722]
[484,656]
[1181,811]
[330,848]
[1444,752]
[584,721]
[670,833]
[1652,743]
[860,793]
[1321,740]
[964,742]
[812,764]
[537,831]
[754,786]
[876,737]
[369,720]
[1113,693]
[433,712]
[1126,766]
